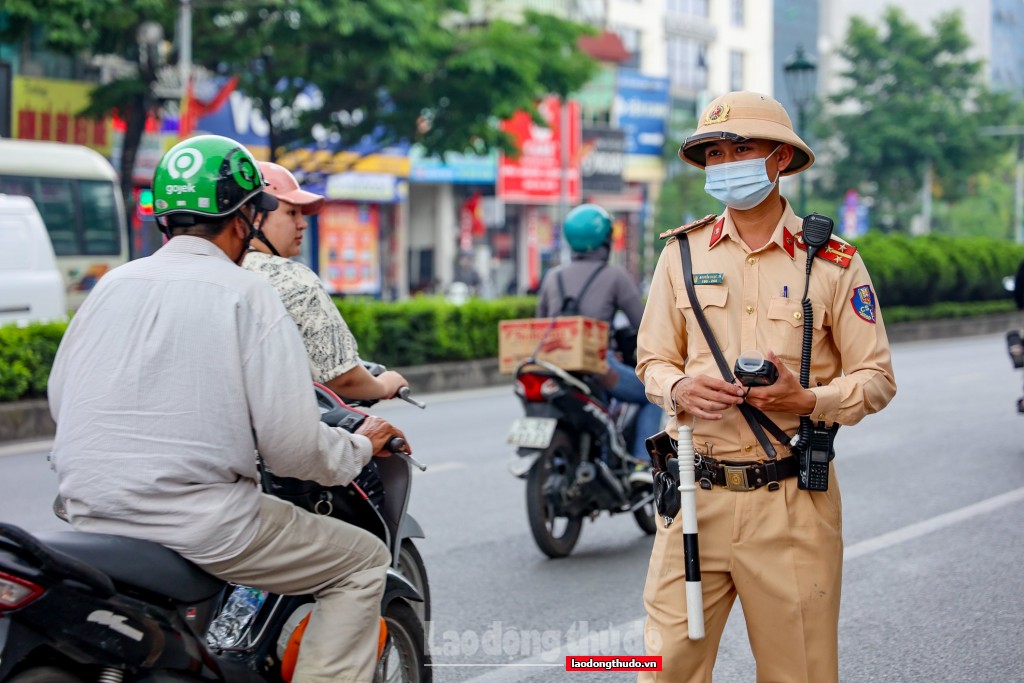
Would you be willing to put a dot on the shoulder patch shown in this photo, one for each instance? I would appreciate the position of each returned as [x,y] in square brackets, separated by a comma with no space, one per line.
[836,251]
[863,302]
[707,220]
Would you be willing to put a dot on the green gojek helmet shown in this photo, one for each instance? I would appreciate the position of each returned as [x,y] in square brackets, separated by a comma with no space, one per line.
[207,177]
[587,227]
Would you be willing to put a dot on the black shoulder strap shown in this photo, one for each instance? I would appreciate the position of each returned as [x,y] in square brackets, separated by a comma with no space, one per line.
[571,305]
[754,417]
[590,280]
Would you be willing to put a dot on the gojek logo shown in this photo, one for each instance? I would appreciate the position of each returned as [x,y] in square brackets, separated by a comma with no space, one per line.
[182,165]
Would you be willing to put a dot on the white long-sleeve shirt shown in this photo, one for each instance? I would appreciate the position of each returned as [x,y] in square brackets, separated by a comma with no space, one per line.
[170,374]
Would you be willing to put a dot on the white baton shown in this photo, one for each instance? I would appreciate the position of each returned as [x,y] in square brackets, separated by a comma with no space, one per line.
[691,549]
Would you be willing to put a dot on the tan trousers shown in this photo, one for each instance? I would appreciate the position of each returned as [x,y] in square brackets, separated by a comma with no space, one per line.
[781,553]
[298,553]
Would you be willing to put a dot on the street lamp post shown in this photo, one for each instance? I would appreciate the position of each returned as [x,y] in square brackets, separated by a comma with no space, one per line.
[800,71]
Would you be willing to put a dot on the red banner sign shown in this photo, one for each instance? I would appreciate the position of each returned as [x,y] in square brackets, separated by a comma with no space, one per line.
[536,175]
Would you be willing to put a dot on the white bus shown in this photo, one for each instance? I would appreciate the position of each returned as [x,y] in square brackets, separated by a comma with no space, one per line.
[78,195]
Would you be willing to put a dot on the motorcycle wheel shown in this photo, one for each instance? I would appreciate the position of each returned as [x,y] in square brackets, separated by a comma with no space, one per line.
[410,565]
[555,536]
[45,674]
[404,659]
[645,517]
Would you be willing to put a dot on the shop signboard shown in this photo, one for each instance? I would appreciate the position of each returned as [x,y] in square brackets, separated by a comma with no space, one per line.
[452,167]
[642,110]
[349,241]
[47,109]
[602,159]
[536,175]
[364,187]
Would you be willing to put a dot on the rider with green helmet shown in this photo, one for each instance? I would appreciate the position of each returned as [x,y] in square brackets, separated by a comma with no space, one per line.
[590,286]
[176,369]
[206,180]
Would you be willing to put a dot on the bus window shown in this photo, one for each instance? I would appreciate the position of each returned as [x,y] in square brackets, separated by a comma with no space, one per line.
[78,194]
[56,204]
[101,230]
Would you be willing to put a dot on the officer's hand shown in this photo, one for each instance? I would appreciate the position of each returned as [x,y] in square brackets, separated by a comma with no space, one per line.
[785,396]
[380,433]
[706,397]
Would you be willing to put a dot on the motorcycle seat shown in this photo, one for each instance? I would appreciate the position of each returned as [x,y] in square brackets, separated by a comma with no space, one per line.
[133,562]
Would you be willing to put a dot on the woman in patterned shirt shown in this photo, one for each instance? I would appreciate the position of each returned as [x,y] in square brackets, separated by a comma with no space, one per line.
[332,350]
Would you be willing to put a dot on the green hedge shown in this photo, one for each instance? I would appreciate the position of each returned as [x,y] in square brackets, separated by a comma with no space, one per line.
[918,271]
[26,354]
[916,279]
[429,329]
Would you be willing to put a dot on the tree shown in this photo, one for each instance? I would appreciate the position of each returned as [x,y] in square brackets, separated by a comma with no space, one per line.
[84,27]
[911,99]
[400,70]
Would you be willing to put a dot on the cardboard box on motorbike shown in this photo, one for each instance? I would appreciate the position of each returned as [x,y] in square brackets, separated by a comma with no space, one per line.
[574,343]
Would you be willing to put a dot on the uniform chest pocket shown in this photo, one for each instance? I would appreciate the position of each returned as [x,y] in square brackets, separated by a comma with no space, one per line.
[786,326]
[712,301]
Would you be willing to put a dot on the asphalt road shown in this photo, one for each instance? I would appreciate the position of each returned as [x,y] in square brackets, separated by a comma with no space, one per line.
[933,505]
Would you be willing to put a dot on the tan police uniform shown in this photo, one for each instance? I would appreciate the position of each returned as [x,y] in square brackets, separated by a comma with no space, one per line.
[780,551]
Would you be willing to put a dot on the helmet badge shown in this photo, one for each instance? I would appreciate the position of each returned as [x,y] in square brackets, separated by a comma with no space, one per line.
[718,114]
[244,171]
[185,163]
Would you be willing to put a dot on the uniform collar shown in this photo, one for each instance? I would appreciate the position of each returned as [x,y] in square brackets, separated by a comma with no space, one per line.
[784,236]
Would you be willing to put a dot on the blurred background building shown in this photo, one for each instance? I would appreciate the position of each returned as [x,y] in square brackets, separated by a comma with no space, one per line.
[398,222]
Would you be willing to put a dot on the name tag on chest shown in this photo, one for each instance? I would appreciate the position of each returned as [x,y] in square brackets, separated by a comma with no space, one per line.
[708,278]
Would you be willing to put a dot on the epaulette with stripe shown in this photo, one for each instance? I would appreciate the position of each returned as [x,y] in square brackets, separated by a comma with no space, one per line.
[707,220]
[836,251]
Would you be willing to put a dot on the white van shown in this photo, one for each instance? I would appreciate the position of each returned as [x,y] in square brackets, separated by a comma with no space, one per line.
[78,195]
[31,285]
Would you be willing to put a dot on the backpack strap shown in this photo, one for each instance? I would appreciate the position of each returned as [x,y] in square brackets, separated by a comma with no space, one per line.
[573,308]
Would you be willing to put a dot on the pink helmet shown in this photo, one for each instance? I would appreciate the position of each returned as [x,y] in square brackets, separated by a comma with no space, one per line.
[283,185]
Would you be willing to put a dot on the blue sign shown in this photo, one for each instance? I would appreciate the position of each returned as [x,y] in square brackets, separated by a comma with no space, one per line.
[454,168]
[641,110]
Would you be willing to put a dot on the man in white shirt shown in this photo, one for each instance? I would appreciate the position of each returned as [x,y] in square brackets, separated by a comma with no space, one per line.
[173,372]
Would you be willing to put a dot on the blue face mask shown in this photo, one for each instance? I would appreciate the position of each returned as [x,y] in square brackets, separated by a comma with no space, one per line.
[740,185]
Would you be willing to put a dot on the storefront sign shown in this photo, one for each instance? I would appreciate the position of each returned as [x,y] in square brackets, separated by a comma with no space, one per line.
[535,176]
[602,159]
[455,168]
[350,248]
[363,187]
[47,109]
[641,110]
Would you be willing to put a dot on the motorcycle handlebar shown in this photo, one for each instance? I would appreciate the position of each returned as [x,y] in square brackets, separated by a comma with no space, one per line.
[405,393]
[397,447]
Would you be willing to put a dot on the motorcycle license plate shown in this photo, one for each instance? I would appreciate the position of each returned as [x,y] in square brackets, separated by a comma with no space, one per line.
[532,432]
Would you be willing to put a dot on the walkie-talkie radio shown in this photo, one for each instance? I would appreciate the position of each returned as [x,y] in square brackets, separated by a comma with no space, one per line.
[814,443]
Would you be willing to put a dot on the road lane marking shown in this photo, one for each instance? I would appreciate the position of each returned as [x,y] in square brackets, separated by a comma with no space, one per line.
[516,672]
[927,526]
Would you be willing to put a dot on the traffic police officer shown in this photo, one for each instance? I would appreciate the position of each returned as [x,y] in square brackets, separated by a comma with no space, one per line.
[780,551]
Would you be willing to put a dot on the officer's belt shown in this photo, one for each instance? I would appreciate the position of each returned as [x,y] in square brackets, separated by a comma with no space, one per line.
[741,476]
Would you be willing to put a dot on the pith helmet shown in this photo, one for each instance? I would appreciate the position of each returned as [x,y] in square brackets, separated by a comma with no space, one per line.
[745,115]
[208,176]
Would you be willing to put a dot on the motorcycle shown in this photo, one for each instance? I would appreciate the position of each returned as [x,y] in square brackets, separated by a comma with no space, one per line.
[571,449]
[77,607]
[406,557]
[1014,343]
